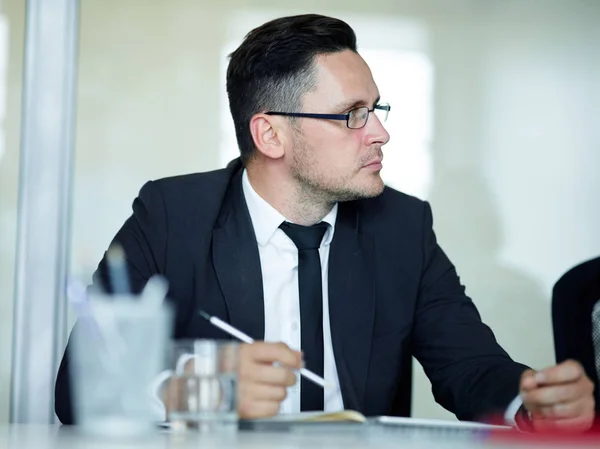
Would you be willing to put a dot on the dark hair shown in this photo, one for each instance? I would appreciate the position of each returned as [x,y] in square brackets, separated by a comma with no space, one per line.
[274,67]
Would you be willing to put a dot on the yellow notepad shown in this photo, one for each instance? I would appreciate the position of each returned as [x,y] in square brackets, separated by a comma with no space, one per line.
[341,416]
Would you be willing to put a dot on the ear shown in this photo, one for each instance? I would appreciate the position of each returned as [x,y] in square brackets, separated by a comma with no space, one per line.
[268,135]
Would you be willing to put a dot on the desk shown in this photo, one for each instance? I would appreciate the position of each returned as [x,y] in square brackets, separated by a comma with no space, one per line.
[57,437]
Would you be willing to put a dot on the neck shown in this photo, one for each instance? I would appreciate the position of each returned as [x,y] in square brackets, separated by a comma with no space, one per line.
[285,195]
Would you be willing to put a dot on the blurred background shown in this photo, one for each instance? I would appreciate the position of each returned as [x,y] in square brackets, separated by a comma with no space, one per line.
[495,107]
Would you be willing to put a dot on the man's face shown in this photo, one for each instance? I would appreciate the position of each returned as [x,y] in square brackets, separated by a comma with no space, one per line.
[329,159]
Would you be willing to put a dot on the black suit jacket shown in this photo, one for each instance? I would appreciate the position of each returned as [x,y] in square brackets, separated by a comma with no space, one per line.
[393,293]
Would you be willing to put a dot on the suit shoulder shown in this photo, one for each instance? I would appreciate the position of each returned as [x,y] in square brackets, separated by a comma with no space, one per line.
[187,191]
[402,199]
[202,180]
[198,185]
[192,186]
[393,203]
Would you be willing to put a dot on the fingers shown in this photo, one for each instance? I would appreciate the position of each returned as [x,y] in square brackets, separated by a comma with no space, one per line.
[567,372]
[260,392]
[559,398]
[528,381]
[265,372]
[546,387]
[257,363]
[553,395]
[273,353]
[566,410]
[550,395]
[577,424]
[257,409]
[268,374]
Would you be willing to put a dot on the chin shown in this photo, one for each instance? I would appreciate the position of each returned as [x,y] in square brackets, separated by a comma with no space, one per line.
[374,186]
[367,190]
[376,190]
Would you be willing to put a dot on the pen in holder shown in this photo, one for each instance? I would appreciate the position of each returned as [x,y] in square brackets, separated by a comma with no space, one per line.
[116,350]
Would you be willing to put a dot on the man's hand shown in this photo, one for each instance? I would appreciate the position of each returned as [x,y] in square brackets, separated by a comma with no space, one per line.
[265,372]
[559,398]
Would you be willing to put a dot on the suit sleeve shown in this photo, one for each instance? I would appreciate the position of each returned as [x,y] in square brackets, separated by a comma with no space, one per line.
[471,375]
[143,238]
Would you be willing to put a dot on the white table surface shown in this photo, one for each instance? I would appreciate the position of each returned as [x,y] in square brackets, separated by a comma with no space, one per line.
[55,437]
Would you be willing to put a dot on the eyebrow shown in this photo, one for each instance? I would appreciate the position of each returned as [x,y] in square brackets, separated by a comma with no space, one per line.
[348,105]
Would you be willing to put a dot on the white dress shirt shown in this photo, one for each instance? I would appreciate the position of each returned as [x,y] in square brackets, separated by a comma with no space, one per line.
[279,266]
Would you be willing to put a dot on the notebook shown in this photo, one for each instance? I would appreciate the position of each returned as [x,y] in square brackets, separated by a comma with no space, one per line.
[438,423]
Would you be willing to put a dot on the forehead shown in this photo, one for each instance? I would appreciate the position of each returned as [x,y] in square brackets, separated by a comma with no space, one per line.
[341,77]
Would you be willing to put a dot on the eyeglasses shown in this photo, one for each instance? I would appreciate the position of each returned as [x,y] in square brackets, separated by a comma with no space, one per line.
[355,119]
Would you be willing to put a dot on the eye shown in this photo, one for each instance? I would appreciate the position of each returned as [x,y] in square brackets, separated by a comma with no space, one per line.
[359,113]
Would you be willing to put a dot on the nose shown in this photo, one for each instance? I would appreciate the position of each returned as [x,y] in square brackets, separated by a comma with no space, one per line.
[376,133]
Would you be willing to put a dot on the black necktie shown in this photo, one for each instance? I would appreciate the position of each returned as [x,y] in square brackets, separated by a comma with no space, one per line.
[308,239]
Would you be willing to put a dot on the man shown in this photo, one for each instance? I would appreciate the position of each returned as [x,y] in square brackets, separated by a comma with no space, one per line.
[300,242]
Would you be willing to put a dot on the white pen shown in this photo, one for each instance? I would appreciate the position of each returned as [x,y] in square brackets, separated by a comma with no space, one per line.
[246,339]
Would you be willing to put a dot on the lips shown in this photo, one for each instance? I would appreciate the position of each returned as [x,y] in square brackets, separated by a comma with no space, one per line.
[375,162]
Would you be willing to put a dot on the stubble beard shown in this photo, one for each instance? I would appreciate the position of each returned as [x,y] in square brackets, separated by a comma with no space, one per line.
[316,186]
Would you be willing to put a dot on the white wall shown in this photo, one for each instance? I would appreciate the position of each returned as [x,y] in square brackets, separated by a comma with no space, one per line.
[509,159]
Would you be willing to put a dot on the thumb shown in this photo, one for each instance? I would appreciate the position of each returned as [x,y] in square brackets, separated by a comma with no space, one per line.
[528,381]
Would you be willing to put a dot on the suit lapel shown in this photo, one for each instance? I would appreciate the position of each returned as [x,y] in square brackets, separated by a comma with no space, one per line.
[351,303]
[237,263]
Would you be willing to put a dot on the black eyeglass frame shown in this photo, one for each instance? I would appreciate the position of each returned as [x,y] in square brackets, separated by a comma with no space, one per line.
[382,107]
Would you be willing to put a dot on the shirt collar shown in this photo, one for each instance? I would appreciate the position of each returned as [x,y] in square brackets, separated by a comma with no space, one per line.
[266,219]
